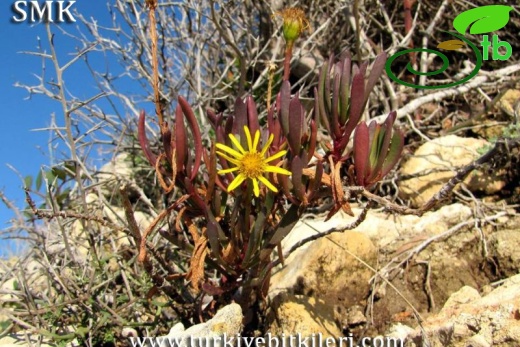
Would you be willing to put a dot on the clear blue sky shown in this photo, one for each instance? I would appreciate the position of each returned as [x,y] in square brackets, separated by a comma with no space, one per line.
[20,146]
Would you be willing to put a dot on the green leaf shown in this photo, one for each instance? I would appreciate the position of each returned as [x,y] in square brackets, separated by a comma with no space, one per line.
[50,176]
[257,233]
[285,226]
[39,180]
[28,181]
[394,153]
[482,19]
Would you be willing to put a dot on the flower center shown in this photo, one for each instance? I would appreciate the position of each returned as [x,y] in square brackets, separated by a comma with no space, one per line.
[252,165]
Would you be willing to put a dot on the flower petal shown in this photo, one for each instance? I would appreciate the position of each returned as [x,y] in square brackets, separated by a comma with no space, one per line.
[256,189]
[231,160]
[236,182]
[268,184]
[276,169]
[257,139]
[248,137]
[237,143]
[225,171]
[275,156]
[229,150]
[269,141]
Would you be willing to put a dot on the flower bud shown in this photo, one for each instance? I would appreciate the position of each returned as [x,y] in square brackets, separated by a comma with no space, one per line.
[294,23]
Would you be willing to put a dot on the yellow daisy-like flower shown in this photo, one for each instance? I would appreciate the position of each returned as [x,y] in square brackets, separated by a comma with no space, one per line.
[250,164]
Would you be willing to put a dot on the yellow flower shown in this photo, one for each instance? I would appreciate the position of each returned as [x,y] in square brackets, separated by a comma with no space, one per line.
[250,164]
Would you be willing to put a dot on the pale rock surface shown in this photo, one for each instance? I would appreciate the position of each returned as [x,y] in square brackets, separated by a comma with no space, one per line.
[299,314]
[325,269]
[467,319]
[118,170]
[328,268]
[504,244]
[436,161]
[228,321]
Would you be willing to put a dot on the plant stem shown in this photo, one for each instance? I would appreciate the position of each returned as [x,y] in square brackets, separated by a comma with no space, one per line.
[287,60]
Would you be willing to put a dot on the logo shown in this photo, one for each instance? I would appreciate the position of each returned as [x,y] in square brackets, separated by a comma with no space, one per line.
[48,11]
[480,20]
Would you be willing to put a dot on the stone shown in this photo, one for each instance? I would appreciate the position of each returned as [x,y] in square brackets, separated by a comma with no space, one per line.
[298,314]
[227,322]
[435,162]
[463,296]
[327,268]
[504,250]
[118,170]
[509,102]
[490,320]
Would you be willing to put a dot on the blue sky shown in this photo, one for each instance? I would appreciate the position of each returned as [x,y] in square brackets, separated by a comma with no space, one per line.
[20,146]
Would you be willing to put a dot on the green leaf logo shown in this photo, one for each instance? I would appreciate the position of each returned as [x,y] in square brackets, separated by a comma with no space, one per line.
[483,19]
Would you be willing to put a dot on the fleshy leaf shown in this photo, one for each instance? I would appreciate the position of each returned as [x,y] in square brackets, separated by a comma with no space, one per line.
[195,131]
[383,143]
[344,90]
[143,141]
[296,169]
[334,122]
[356,106]
[295,125]
[285,100]
[361,148]
[180,139]
[394,153]
[240,118]
[483,19]
[252,115]
[377,70]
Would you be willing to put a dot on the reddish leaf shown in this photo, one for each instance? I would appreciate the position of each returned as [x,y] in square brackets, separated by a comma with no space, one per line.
[294,131]
[377,70]
[356,108]
[240,119]
[252,115]
[197,139]
[143,141]
[297,169]
[361,151]
[180,140]
[312,140]
[285,101]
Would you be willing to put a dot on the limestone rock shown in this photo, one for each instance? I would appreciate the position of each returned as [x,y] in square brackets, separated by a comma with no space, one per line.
[470,320]
[435,162]
[112,173]
[328,269]
[298,314]
[228,321]
[509,102]
[504,245]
